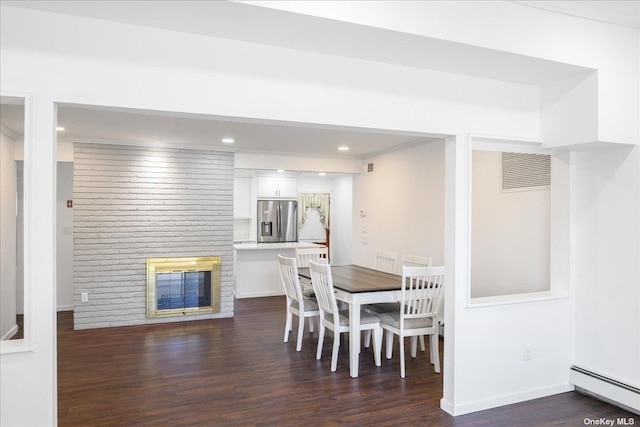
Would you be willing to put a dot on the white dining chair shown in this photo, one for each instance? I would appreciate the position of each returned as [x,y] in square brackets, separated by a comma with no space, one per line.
[319,254]
[297,303]
[407,261]
[386,261]
[416,261]
[338,322]
[422,291]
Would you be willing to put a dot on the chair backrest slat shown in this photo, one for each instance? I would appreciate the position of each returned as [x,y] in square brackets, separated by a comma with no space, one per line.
[323,287]
[386,261]
[290,281]
[305,255]
[422,289]
[416,261]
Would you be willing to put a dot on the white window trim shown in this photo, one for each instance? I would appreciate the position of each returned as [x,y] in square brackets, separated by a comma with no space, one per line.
[25,344]
[479,142]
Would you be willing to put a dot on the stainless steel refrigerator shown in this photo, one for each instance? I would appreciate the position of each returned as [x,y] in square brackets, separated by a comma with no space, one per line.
[277,221]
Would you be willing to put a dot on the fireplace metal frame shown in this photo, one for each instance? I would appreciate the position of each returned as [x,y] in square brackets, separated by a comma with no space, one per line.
[178,265]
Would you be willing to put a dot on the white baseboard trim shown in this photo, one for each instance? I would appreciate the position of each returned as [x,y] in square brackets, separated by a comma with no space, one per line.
[65,308]
[607,389]
[10,333]
[494,402]
[446,406]
[258,294]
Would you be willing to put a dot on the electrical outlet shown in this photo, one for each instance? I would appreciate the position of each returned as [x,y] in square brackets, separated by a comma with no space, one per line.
[84,296]
[526,353]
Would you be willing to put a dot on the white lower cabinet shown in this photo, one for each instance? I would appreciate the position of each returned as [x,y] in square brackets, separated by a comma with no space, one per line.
[257,272]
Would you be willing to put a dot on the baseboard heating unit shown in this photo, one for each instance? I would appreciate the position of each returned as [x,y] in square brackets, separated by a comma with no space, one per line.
[615,392]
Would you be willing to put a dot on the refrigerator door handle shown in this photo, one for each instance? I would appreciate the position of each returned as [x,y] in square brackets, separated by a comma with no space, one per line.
[279,220]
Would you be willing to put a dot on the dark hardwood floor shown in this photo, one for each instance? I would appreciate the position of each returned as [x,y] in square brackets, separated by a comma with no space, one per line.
[238,372]
[20,322]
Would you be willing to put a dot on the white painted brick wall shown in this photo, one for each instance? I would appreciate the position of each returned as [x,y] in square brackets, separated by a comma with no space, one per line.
[134,203]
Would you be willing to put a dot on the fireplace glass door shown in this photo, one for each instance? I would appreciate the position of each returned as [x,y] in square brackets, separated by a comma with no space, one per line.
[183,290]
[179,286]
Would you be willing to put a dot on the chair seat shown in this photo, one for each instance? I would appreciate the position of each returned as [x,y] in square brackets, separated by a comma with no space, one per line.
[365,318]
[393,320]
[383,307]
[309,305]
[308,293]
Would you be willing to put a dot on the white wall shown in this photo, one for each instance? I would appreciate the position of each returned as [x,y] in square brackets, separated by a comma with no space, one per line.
[64,237]
[64,231]
[8,190]
[506,26]
[404,203]
[267,161]
[569,111]
[29,376]
[160,68]
[293,85]
[506,331]
[607,254]
[341,222]
[510,233]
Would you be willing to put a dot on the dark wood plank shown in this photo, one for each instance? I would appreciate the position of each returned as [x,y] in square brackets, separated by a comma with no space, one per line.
[238,372]
[353,278]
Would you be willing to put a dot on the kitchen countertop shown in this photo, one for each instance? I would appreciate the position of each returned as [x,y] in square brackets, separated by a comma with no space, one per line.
[266,246]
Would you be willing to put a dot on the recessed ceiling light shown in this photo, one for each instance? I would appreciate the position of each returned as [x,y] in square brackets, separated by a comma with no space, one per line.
[322,174]
[280,170]
[59,128]
[343,148]
[228,140]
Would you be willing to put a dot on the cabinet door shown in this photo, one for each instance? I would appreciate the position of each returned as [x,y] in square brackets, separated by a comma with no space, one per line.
[288,187]
[257,274]
[267,187]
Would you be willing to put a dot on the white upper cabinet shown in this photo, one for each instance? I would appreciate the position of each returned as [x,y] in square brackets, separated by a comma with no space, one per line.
[277,187]
[288,187]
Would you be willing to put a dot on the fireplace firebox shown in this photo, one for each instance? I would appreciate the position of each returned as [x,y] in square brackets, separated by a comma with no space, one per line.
[182,286]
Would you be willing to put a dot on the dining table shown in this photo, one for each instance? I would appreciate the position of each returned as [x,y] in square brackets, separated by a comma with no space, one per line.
[356,286]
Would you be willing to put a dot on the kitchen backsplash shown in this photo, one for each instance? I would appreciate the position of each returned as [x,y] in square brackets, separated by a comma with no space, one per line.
[241,229]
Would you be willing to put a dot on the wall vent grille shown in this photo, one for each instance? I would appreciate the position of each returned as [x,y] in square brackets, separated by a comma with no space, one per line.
[368,168]
[522,171]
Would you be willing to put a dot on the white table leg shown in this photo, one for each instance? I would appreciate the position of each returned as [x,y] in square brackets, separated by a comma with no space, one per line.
[354,337]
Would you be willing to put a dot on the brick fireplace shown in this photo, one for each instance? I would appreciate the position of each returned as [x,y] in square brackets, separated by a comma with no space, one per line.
[132,204]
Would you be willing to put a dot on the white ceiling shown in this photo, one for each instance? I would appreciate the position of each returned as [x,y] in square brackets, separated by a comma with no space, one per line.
[153,128]
[86,124]
[259,23]
[268,26]
[622,12]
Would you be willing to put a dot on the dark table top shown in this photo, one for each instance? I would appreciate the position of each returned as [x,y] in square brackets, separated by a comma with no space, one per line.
[354,279]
